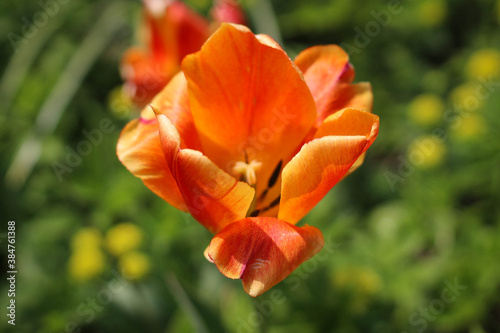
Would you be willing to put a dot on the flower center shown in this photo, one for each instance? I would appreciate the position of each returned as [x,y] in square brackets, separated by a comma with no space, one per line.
[247,171]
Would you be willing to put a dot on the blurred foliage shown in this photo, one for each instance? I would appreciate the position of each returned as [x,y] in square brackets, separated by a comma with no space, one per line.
[412,237]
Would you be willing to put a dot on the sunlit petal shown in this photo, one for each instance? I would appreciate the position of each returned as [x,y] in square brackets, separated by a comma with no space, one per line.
[329,74]
[139,149]
[248,100]
[262,251]
[213,197]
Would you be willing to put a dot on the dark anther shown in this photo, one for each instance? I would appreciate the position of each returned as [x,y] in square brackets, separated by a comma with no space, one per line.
[274,177]
[255,213]
[275,202]
[263,195]
[272,204]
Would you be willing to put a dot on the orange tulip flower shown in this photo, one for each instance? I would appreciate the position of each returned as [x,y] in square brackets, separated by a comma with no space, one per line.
[170,31]
[248,142]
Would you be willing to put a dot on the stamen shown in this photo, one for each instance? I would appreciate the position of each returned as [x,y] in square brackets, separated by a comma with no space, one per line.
[247,171]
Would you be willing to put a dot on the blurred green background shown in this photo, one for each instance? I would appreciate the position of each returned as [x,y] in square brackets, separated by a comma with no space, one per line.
[412,237]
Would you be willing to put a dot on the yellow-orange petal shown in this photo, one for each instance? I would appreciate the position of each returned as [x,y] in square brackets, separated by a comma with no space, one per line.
[319,165]
[247,96]
[269,41]
[262,251]
[213,197]
[339,144]
[357,96]
[350,122]
[329,74]
[140,151]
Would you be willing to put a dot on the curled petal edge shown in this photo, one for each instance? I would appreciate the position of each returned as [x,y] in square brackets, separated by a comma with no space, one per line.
[262,251]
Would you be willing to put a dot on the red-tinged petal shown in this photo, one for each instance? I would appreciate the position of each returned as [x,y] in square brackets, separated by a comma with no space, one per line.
[170,30]
[173,101]
[228,11]
[323,64]
[191,29]
[156,7]
[213,197]
[139,149]
[262,251]
[319,165]
[247,97]
[144,76]
[329,75]
[175,32]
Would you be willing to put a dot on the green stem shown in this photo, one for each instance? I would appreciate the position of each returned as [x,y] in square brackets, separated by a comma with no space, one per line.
[185,303]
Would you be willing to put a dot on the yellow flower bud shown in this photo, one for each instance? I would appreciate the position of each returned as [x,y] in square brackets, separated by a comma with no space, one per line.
[86,263]
[426,109]
[431,13]
[134,265]
[427,152]
[89,237]
[484,63]
[122,238]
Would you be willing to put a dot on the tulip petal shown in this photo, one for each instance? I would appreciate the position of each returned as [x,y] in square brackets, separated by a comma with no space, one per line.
[241,106]
[339,144]
[350,122]
[170,30]
[191,29]
[140,151]
[262,251]
[213,197]
[139,147]
[144,76]
[173,101]
[228,11]
[176,32]
[329,74]
[318,166]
